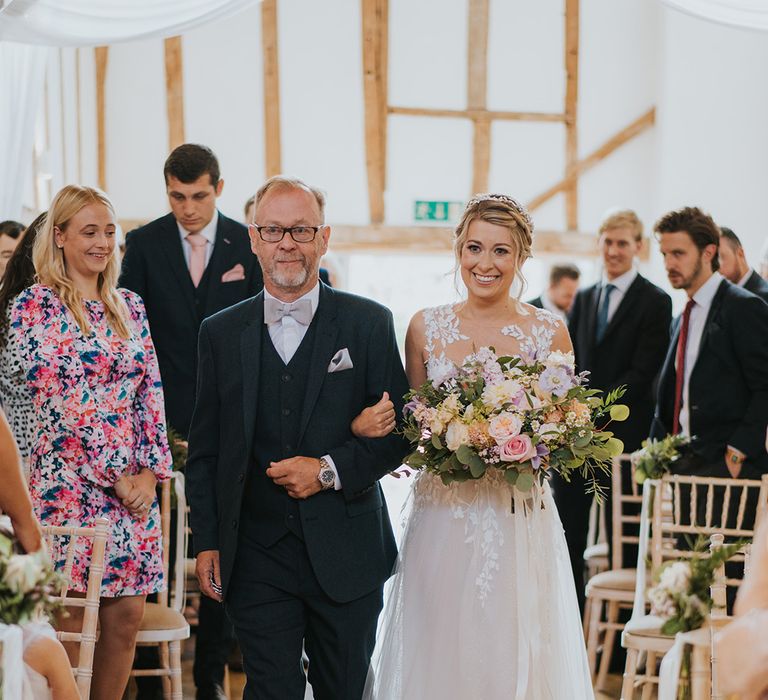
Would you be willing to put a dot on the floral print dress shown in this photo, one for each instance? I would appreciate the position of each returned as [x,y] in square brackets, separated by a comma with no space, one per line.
[99,415]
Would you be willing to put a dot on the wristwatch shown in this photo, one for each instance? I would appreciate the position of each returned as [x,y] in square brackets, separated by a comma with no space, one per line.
[326,476]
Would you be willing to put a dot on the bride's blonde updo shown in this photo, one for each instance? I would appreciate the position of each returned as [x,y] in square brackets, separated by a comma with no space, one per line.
[501,210]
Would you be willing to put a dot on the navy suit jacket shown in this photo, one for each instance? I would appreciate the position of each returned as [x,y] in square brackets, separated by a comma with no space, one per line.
[728,386]
[347,533]
[630,352]
[757,285]
[154,267]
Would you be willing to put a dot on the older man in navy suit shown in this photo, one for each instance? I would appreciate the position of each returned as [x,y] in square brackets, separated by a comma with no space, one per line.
[288,519]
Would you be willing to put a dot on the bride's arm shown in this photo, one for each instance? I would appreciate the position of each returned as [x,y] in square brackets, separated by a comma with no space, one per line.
[379,420]
[415,341]
[562,340]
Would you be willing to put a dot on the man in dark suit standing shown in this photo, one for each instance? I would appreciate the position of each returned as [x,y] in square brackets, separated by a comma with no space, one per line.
[186,266]
[288,520]
[563,285]
[714,383]
[620,332]
[734,266]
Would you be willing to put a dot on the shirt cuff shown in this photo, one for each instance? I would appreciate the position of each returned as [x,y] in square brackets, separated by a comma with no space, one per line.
[336,480]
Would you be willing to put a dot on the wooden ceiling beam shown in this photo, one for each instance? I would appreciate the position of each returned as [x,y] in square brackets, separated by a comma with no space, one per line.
[571,108]
[375,31]
[174,89]
[477,114]
[101,55]
[272,143]
[477,92]
[603,151]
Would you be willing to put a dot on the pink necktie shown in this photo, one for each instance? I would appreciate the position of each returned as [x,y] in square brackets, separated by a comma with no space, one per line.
[197,242]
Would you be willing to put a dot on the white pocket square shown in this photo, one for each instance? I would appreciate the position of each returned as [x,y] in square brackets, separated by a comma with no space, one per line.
[340,361]
[236,274]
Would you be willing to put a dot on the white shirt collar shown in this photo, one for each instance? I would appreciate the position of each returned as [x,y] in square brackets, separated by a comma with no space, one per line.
[744,279]
[209,232]
[313,295]
[622,282]
[707,291]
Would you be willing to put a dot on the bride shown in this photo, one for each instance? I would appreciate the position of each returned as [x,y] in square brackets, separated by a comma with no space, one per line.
[482,604]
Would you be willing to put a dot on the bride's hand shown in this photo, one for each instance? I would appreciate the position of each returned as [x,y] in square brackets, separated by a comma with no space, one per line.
[375,421]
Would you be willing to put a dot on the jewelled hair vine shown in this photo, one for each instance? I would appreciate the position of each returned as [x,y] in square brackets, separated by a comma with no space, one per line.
[519,208]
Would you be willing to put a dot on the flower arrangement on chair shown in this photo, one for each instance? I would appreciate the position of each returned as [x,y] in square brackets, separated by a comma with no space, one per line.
[656,457]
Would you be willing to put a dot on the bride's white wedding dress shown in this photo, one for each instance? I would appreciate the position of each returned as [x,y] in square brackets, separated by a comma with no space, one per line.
[482,605]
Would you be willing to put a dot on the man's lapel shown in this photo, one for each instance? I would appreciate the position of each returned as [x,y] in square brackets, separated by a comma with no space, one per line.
[221,260]
[712,324]
[590,308]
[170,242]
[667,375]
[327,331]
[250,357]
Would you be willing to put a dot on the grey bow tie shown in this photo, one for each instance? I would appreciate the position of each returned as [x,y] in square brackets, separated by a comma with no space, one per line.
[300,311]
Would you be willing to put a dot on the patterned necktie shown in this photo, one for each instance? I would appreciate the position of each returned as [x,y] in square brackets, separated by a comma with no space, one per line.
[682,342]
[300,311]
[197,243]
[602,312]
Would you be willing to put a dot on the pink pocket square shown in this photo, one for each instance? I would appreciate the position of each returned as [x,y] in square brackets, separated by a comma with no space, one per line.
[236,274]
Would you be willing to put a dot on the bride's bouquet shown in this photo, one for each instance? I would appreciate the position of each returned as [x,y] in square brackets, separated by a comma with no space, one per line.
[523,419]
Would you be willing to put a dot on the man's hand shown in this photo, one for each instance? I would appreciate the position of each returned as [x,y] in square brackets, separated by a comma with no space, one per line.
[28,533]
[298,475]
[376,421]
[208,573]
[734,459]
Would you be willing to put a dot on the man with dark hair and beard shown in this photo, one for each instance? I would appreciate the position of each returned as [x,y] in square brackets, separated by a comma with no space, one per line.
[714,382]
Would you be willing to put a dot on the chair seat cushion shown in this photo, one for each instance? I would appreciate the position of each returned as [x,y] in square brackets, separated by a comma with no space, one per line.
[158,617]
[646,626]
[616,579]
[596,551]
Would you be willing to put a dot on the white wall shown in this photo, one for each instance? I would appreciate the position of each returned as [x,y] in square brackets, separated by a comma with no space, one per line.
[709,84]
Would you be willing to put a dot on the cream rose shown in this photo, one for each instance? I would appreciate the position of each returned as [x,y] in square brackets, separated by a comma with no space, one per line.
[456,435]
[504,426]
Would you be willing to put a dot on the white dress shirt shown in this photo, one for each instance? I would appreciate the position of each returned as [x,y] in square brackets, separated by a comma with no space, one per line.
[744,279]
[209,233]
[546,302]
[702,303]
[622,284]
[287,334]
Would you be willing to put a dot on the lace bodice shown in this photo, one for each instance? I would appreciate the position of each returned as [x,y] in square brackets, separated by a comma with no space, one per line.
[529,337]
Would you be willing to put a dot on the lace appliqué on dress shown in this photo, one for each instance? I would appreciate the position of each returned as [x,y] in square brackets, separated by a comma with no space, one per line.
[441,328]
[537,343]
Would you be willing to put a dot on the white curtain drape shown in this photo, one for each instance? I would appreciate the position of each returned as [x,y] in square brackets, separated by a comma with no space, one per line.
[101,22]
[749,14]
[22,76]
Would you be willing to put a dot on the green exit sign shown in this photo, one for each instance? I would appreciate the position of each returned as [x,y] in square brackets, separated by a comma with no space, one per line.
[437,211]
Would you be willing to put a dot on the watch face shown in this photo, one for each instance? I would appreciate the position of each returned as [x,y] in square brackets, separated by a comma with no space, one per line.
[326,476]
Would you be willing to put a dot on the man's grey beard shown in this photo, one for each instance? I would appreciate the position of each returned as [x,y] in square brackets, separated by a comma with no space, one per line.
[289,281]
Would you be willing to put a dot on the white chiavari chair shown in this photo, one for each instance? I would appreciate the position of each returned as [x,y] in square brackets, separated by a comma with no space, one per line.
[610,591]
[700,506]
[86,637]
[163,624]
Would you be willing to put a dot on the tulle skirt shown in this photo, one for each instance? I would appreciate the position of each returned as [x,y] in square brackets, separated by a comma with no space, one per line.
[482,605]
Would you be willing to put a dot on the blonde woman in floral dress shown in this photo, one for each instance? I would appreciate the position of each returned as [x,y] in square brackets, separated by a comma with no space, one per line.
[99,442]
[482,603]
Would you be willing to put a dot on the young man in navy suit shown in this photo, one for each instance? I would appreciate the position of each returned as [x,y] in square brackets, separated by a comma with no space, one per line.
[620,332]
[186,266]
[735,268]
[289,524]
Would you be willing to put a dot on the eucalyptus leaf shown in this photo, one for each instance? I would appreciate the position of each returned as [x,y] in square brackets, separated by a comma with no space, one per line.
[464,454]
[619,412]
[436,442]
[524,482]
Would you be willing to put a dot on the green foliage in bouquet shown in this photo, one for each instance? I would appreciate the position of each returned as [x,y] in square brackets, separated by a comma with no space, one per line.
[681,594]
[28,584]
[523,419]
[656,457]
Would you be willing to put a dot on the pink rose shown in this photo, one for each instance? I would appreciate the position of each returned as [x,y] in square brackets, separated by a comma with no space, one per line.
[517,449]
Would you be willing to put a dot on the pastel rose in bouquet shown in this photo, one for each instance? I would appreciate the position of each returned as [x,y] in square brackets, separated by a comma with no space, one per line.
[523,419]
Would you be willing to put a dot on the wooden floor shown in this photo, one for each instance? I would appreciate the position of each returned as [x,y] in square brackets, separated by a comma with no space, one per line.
[237,681]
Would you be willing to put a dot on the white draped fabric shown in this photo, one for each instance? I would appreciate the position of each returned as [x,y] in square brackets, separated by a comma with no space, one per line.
[749,14]
[35,24]
[22,75]
[101,22]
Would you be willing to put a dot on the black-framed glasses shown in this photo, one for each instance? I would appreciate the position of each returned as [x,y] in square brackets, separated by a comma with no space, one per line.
[274,234]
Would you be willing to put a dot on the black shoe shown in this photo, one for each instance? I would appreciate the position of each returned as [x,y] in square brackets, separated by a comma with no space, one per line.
[211,692]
